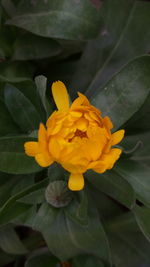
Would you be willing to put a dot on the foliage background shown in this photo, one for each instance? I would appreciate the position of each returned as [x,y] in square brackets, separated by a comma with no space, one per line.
[99,48]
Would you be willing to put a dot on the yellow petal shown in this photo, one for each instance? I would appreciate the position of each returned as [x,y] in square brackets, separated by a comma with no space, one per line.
[107,122]
[100,167]
[94,149]
[43,160]
[55,146]
[76,182]
[42,134]
[117,137]
[110,158]
[60,95]
[31,148]
[81,100]
[82,124]
[76,114]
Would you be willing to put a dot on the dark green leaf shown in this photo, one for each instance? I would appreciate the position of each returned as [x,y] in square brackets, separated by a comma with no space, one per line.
[6,188]
[107,207]
[51,18]
[7,125]
[124,94]
[30,91]
[137,147]
[49,214]
[13,158]
[29,46]
[77,210]
[91,238]
[13,184]
[10,242]
[41,83]
[129,246]
[113,185]
[142,215]
[135,166]
[26,218]
[86,261]
[121,39]
[139,122]
[15,72]
[35,197]
[56,172]
[41,258]
[97,52]
[12,208]
[6,258]
[65,238]
[24,181]
[58,237]
[138,176]
[21,109]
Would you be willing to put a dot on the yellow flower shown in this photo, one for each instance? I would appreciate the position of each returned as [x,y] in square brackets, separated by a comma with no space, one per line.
[77,137]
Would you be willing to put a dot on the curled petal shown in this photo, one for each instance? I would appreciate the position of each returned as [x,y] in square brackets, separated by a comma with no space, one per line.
[117,137]
[76,181]
[44,160]
[81,100]
[42,134]
[110,158]
[31,148]
[108,123]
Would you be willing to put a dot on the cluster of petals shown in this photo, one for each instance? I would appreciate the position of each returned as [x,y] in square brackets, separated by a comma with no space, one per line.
[77,137]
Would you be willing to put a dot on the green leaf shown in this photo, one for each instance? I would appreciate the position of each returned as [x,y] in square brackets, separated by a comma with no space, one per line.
[139,123]
[51,19]
[13,184]
[7,125]
[124,94]
[135,165]
[121,35]
[56,172]
[90,238]
[9,6]
[13,158]
[86,261]
[35,197]
[10,242]
[97,51]
[28,46]
[106,206]
[24,181]
[15,72]
[113,185]
[129,246]
[66,239]
[142,215]
[138,176]
[77,210]
[58,238]
[49,214]
[21,109]
[6,258]
[41,83]
[6,188]
[41,258]
[137,147]
[29,90]
[12,208]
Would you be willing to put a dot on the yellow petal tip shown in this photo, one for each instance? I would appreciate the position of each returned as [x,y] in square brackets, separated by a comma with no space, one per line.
[76,182]
[60,95]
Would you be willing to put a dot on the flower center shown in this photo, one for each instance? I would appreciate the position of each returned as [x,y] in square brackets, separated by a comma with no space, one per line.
[80,134]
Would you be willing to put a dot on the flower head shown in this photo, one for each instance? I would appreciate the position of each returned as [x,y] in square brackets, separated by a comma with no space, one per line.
[77,137]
